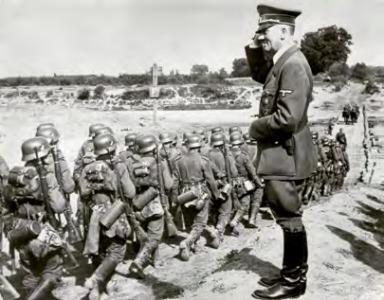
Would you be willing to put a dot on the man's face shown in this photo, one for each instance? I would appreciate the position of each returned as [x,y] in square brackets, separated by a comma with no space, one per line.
[270,39]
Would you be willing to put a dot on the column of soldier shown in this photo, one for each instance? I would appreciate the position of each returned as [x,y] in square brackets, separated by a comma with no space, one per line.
[332,168]
[154,189]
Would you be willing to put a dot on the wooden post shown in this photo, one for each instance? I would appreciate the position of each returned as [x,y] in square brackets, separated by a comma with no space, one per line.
[154,91]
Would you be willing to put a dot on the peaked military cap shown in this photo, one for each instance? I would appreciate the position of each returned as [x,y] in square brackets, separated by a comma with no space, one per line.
[270,15]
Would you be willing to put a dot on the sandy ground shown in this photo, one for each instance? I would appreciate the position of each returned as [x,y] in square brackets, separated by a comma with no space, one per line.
[345,232]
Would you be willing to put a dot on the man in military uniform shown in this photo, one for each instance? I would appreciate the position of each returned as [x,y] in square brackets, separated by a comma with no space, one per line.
[85,148]
[150,209]
[99,185]
[194,175]
[286,155]
[221,166]
[248,182]
[39,252]
[342,139]
[125,155]
[205,148]
[183,148]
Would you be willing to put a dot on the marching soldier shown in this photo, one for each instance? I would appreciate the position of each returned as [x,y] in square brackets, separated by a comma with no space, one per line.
[248,183]
[99,186]
[40,244]
[286,156]
[342,139]
[148,203]
[52,135]
[183,148]
[85,148]
[126,155]
[196,185]
[204,150]
[223,164]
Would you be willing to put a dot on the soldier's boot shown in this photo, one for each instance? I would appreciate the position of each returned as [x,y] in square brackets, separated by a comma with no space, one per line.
[138,265]
[253,215]
[185,249]
[235,222]
[96,283]
[43,290]
[215,239]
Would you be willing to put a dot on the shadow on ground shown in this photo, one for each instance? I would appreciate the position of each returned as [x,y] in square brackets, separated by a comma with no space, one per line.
[361,250]
[244,261]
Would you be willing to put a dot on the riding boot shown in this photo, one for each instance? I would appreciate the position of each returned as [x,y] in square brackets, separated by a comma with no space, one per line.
[292,281]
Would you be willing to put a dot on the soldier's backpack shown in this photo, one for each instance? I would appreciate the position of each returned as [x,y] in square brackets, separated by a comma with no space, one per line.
[101,176]
[24,183]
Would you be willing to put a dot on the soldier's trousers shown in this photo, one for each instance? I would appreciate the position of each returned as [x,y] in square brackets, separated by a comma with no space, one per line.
[47,267]
[196,221]
[224,210]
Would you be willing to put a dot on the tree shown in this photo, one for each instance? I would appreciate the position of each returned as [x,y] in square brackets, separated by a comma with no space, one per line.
[325,47]
[360,72]
[223,74]
[240,68]
[199,70]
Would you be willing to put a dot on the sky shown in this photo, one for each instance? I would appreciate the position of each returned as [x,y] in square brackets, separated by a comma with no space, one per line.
[43,37]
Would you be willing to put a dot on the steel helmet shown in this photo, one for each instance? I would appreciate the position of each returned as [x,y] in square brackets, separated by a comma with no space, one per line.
[193,141]
[236,139]
[146,143]
[186,135]
[199,131]
[130,139]
[44,125]
[234,129]
[39,144]
[218,139]
[217,129]
[315,135]
[102,130]
[50,133]
[166,138]
[104,143]
[246,137]
[93,128]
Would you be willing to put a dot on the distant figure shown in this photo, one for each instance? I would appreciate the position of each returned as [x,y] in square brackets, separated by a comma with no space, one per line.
[346,113]
[330,126]
[342,139]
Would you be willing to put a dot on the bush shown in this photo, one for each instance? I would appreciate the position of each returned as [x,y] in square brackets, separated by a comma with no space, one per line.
[83,94]
[99,91]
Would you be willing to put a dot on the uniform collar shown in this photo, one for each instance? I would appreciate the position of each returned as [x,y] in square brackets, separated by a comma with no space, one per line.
[280,53]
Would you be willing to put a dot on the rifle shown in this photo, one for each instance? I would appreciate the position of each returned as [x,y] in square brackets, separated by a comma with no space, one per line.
[229,177]
[135,224]
[50,213]
[73,232]
[183,227]
[169,223]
